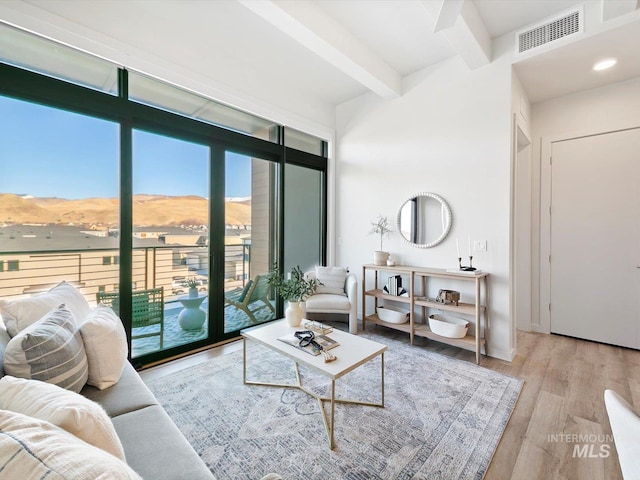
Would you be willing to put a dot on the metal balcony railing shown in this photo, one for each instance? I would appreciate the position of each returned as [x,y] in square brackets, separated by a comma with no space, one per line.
[25,273]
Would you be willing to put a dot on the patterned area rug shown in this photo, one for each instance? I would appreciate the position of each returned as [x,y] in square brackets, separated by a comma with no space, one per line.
[443,418]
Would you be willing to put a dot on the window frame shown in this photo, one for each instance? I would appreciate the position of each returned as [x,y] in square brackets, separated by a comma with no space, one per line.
[52,92]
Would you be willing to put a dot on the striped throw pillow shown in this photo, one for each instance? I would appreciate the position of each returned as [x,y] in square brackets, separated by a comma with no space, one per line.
[50,350]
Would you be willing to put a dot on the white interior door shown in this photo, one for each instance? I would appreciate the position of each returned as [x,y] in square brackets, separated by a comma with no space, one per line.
[595,234]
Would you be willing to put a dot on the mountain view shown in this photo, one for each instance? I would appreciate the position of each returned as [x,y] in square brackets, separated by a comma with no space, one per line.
[149,210]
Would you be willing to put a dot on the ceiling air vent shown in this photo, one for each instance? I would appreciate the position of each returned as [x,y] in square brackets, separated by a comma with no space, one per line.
[550,30]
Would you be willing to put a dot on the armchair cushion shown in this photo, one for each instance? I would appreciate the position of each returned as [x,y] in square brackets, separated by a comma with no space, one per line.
[332,279]
[328,302]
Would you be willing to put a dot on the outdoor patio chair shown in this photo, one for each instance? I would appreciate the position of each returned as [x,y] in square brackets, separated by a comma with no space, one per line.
[256,290]
[147,310]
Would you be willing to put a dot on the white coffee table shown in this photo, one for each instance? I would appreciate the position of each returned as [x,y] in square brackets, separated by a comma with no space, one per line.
[352,352]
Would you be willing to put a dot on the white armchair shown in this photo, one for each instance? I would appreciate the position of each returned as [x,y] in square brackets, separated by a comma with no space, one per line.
[337,297]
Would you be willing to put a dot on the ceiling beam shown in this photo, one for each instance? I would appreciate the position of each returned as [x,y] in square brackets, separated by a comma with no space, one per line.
[314,29]
[448,14]
[462,26]
[615,9]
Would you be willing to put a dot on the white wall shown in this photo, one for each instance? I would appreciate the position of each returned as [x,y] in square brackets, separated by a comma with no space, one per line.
[448,134]
[605,109]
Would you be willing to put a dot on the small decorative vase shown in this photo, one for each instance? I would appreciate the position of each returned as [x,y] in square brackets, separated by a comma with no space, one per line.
[193,292]
[294,313]
[380,257]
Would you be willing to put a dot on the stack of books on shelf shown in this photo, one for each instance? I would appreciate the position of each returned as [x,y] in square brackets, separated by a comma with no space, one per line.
[394,286]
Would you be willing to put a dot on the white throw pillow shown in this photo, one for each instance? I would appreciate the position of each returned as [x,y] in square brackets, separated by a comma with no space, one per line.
[32,449]
[105,342]
[19,314]
[50,350]
[70,411]
[332,279]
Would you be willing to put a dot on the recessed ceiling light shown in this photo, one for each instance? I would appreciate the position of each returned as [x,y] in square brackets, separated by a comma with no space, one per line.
[604,64]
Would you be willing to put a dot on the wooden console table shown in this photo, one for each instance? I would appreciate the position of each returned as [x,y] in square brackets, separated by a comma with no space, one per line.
[418,281]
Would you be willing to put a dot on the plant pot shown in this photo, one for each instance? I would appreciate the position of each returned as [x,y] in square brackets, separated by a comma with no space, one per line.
[294,313]
[193,292]
[380,257]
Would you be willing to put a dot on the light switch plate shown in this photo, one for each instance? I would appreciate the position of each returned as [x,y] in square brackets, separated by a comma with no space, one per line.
[480,245]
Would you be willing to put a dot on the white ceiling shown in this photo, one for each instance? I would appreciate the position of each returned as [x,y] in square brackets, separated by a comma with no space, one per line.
[335,50]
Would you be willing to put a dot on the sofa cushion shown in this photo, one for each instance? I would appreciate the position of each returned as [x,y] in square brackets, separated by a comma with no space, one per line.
[161,452]
[4,341]
[130,393]
[50,350]
[68,410]
[19,314]
[105,342]
[332,279]
[327,303]
[34,449]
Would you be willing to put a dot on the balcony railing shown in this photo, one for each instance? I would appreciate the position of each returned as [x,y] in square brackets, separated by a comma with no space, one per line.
[25,273]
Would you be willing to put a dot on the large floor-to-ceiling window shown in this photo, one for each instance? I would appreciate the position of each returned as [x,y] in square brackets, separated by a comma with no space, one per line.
[159,202]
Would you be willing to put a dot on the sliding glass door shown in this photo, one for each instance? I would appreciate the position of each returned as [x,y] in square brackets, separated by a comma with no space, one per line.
[249,245]
[170,245]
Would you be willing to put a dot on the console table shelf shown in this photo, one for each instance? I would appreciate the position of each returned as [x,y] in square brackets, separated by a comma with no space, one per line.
[418,277]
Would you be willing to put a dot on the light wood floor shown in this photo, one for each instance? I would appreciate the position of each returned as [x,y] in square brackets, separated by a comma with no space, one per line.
[564,382]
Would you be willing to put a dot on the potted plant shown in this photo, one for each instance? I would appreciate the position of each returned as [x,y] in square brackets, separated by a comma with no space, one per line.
[193,287]
[295,290]
[380,227]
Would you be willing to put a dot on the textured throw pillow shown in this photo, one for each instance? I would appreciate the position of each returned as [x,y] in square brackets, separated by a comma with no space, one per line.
[19,314]
[105,343]
[332,279]
[50,350]
[70,411]
[32,449]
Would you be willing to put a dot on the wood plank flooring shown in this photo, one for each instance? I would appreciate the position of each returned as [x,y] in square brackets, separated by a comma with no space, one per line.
[560,409]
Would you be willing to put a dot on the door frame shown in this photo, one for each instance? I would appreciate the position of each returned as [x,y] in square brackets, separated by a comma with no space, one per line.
[543,254]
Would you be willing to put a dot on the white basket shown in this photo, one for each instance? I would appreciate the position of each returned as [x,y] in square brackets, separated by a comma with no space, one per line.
[391,315]
[448,326]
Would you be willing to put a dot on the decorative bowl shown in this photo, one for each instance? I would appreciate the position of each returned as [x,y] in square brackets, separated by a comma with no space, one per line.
[448,326]
[391,315]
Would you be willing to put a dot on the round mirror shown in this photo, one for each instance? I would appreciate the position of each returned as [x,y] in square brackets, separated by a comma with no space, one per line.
[424,220]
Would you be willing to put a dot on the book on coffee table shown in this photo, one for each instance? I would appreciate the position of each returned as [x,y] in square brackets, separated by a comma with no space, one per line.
[326,342]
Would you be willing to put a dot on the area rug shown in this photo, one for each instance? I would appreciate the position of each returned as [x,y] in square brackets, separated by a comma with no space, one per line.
[443,418]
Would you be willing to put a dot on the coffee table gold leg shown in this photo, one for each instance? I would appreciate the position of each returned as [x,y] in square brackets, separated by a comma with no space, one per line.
[332,399]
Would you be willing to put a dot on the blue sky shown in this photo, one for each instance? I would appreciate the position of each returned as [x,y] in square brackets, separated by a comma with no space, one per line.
[47,152]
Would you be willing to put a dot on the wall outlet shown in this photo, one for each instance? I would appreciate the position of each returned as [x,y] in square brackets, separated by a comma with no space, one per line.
[480,245]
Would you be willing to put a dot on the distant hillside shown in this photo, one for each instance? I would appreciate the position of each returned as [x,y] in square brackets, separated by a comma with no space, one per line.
[149,210]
